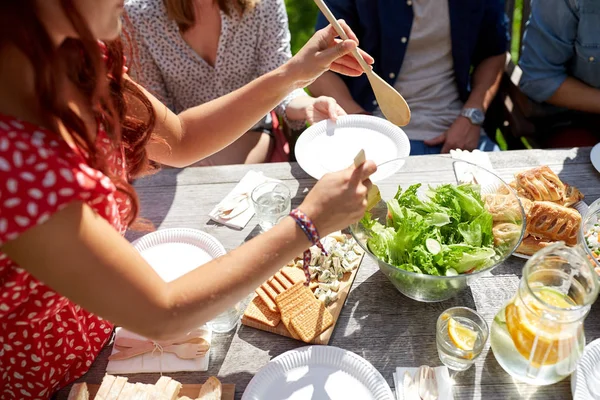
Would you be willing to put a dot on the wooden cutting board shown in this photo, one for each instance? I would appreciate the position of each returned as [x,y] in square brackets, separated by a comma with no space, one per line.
[334,308]
[189,390]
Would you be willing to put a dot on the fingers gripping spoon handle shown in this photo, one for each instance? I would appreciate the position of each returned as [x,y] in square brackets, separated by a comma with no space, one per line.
[392,104]
[373,196]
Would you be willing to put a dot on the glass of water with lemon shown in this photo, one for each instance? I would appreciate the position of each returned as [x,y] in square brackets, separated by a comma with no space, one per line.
[461,336]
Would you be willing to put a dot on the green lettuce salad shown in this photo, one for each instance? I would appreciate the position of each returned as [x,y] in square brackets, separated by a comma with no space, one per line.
[450,233]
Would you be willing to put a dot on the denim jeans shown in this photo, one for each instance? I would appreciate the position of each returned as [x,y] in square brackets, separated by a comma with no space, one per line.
[419,148]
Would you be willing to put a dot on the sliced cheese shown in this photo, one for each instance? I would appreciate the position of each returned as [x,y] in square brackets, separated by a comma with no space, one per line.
[104,389]
[140,392]
[172,390]
[127,392]
[79,391]
[116,388]
[162,383]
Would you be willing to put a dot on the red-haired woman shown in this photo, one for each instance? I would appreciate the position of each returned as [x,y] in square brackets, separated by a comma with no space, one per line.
[192,51]
[74,130]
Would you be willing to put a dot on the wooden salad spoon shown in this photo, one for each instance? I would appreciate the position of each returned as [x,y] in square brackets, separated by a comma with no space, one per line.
[392,104]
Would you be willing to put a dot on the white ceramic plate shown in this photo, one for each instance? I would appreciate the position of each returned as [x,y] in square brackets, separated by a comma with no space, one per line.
[175,252]
[330,146]
[580,206]
[586,378]
[595,157]
[318,372]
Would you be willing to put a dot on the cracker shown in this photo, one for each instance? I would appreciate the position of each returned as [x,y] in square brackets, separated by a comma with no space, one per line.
[266,299]
[311,321]
[285,282]
[258,311]
[291,295]
[292,332]
[292,301]
[278,287]
[269,290]
[294,274]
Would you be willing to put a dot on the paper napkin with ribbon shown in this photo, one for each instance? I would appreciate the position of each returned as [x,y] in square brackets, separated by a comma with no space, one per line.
[236,209]
[441,375]
[157,361]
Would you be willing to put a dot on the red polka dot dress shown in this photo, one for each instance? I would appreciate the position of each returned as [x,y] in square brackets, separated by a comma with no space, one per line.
[46,341]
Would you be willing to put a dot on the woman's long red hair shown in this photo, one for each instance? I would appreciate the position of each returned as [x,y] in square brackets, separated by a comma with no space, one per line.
[101,81]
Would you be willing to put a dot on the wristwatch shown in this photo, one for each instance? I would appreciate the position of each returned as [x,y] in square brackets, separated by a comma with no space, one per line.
[475,115]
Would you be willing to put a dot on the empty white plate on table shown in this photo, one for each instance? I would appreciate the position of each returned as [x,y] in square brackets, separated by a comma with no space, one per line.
[595,157]
[318,372]
[329,146]
[585,381]
[175,252]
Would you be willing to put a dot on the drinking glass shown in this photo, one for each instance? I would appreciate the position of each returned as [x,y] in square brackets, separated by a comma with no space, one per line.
[454,353]
[272,202]
[226,321]
[538,336]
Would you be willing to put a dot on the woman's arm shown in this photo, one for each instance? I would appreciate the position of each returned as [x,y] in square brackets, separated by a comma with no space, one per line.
[203,130]
[79,255]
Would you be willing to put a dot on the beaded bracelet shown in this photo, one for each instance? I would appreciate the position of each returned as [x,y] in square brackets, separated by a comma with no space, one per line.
[310,230]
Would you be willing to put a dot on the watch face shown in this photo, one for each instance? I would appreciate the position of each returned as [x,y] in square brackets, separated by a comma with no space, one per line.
[478,117]
[475,115]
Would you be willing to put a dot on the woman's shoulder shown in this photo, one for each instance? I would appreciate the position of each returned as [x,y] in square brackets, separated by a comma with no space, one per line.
[268,7]
[145,12]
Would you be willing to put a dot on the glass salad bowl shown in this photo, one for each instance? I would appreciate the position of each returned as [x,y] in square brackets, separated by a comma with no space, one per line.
[441,223]
[589,234]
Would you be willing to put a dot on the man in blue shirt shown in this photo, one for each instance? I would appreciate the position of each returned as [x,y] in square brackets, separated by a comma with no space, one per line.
[445,57]
[561,67]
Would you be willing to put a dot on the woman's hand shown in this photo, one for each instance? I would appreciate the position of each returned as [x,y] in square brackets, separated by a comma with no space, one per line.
[311,109]
[325,51]
[339,199]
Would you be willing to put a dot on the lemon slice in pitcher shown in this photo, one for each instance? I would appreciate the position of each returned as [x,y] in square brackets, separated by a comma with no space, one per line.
[461,335]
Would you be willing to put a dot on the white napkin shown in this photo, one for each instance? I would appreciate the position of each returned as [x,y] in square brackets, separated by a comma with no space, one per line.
[250,181]
[466,173]
[441,375]
[155,362]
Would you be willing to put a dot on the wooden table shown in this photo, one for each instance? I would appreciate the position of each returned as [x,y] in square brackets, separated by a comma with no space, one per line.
[377,322]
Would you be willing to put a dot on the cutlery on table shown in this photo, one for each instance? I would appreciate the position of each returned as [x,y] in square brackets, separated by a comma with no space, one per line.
[234,206]
[374,195]
[426,383]
[409,388]
[184,351]
[391,103]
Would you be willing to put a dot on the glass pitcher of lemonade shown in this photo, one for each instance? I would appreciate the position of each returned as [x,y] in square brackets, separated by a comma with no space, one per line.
[538,336]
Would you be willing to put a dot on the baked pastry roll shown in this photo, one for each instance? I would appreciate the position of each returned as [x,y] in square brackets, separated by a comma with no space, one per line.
[506,233]
[531,245]
[540,184]
[503,207]
[553,222]
[526,203]
[572,196]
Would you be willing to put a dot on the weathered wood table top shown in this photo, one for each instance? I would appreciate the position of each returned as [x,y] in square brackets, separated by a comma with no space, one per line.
[377,322]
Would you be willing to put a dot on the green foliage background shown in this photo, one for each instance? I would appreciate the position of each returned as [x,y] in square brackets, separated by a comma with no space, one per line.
[302,15]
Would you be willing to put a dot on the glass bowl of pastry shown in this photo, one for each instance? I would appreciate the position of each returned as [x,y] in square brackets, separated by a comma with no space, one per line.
[589,234]
[441,223]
